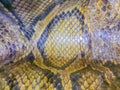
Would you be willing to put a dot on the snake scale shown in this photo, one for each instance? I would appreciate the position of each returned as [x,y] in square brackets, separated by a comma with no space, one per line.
[59,44]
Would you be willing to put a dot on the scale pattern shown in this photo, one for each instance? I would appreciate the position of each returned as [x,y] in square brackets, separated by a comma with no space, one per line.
[59,44]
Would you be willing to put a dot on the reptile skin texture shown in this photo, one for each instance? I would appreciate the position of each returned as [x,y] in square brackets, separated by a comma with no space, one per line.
[59,44]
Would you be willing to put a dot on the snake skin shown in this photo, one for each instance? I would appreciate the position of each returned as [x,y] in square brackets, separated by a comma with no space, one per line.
[59,44]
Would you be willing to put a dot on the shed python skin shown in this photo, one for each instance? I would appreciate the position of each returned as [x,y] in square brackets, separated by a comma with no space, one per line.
[59,44]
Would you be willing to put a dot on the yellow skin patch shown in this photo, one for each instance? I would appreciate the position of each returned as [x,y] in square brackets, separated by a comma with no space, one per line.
[78,64]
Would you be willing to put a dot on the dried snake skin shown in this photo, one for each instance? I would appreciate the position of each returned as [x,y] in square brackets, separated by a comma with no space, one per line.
[59,44]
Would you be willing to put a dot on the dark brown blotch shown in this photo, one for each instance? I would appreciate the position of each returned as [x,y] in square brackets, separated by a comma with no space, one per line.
[103,8]
[82,54]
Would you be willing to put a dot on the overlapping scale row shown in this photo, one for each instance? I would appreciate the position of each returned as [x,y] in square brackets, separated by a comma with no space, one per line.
[27,76]
[91,80]
[79,47]
[107,42]
[65,38]
[25,9]
[23,12]
[13,44]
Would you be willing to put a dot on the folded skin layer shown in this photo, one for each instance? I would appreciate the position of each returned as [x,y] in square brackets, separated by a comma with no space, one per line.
[12,41]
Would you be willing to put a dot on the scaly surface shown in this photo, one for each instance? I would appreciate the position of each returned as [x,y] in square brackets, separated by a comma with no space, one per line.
[59,44]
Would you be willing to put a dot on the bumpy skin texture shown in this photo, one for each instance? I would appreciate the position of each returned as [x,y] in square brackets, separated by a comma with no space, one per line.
[59,44]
